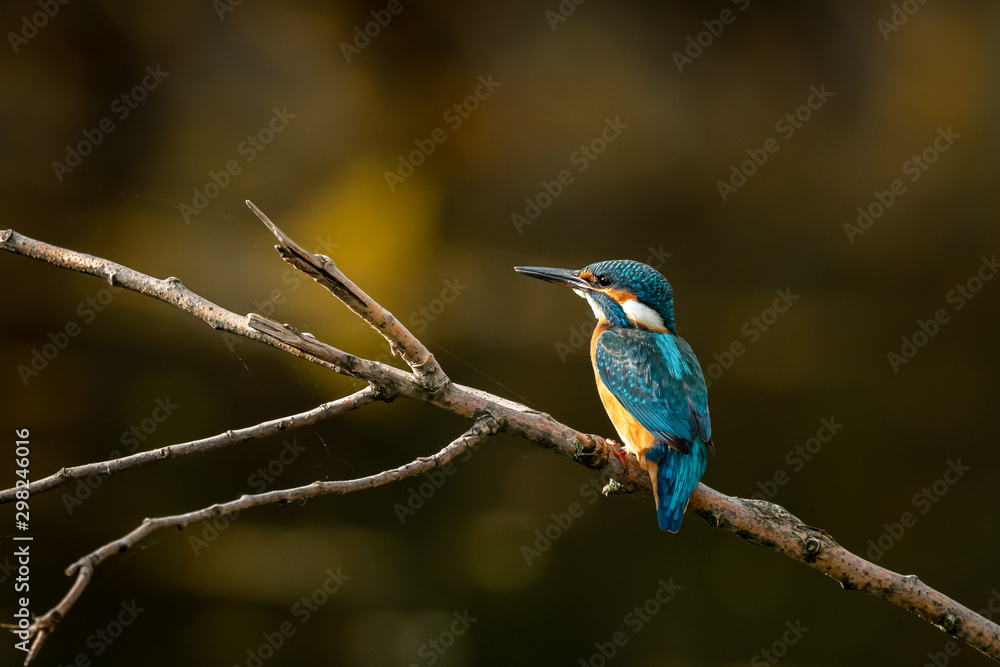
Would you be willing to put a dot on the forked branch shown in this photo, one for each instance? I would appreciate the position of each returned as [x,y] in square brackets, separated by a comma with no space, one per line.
[322,269]
[43,626]
[762,523]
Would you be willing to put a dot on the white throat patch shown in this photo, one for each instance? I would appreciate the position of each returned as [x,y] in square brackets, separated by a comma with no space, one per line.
[642,315]
[593,305]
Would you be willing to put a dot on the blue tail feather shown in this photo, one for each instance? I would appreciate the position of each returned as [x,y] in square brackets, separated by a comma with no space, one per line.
[676,477]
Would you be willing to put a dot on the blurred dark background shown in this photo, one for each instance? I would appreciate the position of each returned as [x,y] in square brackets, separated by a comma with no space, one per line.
[308,129]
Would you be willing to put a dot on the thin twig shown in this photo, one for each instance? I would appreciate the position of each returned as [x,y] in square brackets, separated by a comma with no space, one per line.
[262,430]
[171,290]
[43,626]
[323,270]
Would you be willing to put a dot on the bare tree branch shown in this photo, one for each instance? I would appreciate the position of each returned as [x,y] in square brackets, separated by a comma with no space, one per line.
[43,626]
[520,420]
[771,526]
[762,523]
[256,432]
[322,269]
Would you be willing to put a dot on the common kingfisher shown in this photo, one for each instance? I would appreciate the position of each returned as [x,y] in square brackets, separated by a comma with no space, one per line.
[648,378]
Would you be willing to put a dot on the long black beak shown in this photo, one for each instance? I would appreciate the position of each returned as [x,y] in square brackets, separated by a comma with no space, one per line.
[564,277]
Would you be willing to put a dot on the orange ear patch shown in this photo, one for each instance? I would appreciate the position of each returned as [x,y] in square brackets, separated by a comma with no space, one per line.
[619,295]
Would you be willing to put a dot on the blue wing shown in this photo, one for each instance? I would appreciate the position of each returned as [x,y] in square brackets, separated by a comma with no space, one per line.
[658,380]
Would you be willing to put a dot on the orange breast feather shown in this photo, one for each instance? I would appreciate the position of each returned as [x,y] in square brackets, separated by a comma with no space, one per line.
[637,440]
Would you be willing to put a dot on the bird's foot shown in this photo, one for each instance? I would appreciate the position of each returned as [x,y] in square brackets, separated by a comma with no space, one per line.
[618,451]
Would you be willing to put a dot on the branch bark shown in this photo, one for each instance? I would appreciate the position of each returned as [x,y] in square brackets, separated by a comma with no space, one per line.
[43,626]
[322,269]
[771,526]
[256,432]
[759,522]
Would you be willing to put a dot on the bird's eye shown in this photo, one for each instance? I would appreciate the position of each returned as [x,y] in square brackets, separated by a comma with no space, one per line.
[604,281]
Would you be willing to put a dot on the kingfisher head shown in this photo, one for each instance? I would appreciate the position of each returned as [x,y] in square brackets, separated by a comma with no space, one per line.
[622,292]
